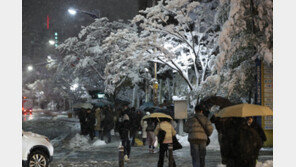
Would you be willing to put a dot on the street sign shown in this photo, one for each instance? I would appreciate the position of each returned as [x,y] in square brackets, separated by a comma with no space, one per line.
[155,85]
[100,95]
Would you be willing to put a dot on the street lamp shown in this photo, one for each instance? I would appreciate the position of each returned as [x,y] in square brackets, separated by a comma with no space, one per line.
[73,11]
[51,42]
[30,68]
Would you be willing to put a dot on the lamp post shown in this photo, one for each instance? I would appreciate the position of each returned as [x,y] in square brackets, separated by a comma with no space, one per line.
[51,42]
[30,68]
[73,12]
[155,85]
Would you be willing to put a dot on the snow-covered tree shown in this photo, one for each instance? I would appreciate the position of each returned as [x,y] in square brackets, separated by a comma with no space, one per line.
[183,34]
[179,34]
[83,59]
[246,35]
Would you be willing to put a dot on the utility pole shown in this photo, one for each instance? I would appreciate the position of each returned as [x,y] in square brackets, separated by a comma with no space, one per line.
[155,85]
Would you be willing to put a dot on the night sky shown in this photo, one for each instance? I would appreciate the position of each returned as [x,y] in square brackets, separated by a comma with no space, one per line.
[34,21]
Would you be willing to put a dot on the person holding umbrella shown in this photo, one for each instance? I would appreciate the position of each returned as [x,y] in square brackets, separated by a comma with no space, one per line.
[253,124]
[166,139]
[90,121]
[243,140]
[123,126]
[150,134]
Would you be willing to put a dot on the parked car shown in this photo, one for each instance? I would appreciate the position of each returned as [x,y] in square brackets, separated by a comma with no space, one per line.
[27,111]
[36,150]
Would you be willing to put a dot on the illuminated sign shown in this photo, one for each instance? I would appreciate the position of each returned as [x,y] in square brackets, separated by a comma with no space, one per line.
[101,96]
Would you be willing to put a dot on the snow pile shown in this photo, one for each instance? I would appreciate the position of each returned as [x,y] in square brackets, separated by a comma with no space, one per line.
[176,98]
[214,144]
[183,140]
[99,143]
[266,149]
[268,163]
[78,141]
[83,142]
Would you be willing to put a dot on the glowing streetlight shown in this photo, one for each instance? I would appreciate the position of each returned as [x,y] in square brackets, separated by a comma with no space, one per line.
[30,68]
[51,42]
[72,11]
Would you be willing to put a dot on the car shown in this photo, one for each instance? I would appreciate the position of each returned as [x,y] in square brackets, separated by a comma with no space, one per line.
[36,150]
[25,111]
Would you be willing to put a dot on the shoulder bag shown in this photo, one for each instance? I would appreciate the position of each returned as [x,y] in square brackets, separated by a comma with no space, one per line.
[208,139]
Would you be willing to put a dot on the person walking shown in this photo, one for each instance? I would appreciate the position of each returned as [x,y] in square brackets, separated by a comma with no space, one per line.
[199,128]
[108,125]
[98,127]
[90,121]
[81,117]
[150,134]
[123,126]
[253,124]
[169,130]
[144,126]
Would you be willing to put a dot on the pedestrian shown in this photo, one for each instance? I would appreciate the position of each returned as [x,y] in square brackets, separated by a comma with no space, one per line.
[108,125]
[167,140]
[132,116]
[199,128]
[123,127]
[244,143]
[135,124]
[81,117]
[253,124]
[98,127]
[90,121]
[144,126]
[150,134]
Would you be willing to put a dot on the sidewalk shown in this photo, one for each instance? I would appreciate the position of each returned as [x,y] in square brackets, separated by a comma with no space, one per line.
[107,156]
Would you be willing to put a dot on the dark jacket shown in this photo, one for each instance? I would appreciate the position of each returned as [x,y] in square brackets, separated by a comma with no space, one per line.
[259,130]
[108,123]
[241,143]
[123,125]
[151,125]
[195,130]
[90,120]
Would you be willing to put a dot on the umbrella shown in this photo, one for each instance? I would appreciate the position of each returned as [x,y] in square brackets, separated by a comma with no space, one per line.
[245,110]
[83,105]
[165,111]
[101,102]
[145,117]
[158,115]
[146,105]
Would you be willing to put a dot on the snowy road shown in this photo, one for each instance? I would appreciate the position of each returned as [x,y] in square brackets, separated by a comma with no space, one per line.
[71,149]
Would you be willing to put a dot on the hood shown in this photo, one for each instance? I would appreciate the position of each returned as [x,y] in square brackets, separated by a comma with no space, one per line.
[31,134]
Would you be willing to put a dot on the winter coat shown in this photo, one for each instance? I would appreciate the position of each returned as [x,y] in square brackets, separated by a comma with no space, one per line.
[123,125]
[195,130]
[108,123]
[151,126]
[168,128]
[259,130]
[241,144]
[136,121]
[90,120]
[98,119]
[144,126]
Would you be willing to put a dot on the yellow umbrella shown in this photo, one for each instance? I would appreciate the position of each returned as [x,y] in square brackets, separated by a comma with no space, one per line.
[245,110]
[158,115]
